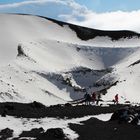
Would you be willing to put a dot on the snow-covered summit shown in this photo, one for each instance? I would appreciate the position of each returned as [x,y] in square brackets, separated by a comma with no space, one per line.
[53,62]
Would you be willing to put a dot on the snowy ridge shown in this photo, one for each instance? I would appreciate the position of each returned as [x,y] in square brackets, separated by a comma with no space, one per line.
[55,66]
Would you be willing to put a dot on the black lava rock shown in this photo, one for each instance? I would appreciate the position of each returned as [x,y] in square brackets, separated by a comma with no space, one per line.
[6,133]
[55,133]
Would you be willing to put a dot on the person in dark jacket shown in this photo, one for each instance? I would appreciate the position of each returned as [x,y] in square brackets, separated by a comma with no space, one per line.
[98,98]
[87,99]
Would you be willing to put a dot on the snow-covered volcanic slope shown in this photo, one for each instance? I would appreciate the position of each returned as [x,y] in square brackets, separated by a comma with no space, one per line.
[53,62]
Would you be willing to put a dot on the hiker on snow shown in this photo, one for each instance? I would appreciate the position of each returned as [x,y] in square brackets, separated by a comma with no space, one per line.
[98,98]
[93,97]
[87,99]
[116,99]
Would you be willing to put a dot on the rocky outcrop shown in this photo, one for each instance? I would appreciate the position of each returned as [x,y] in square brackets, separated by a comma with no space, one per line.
[20,51]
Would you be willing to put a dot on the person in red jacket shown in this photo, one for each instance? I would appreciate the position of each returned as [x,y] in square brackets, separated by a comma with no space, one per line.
[116,99]
[93,97]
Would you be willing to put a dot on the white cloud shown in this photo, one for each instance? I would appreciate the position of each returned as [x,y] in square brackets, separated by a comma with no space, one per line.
[81,15]
[70,3]
[118,20]
[28,2]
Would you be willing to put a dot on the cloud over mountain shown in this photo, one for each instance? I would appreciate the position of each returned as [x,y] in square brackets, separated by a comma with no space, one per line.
[79,14]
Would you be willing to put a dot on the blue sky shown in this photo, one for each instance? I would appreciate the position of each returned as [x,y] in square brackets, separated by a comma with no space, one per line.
[101,14]
[95,5]
[111,5]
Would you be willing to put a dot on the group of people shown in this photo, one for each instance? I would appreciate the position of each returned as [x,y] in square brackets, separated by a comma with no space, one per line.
[95,97]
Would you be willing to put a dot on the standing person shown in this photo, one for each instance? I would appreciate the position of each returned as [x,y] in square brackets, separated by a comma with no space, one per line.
[93,97]
[98,98]
[116,99]
[87,98]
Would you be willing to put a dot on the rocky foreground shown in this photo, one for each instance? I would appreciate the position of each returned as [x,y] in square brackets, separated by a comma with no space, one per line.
[92,129]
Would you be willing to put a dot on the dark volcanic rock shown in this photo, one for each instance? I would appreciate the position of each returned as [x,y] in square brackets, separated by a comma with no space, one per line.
[85,33]
[37,105]
[94,129]
[9,107]
[56,133]
[40,134]
[135,63]
[33,133]
[38,110]
[6,133]
[68,105]
[20,51]
[126,115]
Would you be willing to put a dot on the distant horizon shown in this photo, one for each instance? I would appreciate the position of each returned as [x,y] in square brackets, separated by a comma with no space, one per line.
[98,14]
